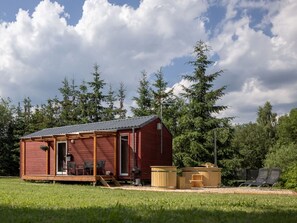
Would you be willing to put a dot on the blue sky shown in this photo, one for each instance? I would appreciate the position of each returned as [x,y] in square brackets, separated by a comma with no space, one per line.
[254,42]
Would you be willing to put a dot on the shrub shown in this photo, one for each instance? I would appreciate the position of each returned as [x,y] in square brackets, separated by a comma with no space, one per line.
[290,177]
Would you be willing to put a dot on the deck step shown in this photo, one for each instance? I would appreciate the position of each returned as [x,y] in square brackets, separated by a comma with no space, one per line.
[103,180]
[117,183]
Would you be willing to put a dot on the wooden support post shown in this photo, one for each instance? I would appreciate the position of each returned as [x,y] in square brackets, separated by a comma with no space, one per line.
[55,156]
[115,155]
[46,160]
[95,156]
[23,145]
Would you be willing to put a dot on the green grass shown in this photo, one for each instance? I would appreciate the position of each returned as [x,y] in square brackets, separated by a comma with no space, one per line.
[41,202]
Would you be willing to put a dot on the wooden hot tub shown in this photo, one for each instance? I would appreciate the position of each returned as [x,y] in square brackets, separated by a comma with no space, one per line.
[164,176]
[211,176]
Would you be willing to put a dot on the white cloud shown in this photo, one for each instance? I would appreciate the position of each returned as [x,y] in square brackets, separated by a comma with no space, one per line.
[258,67]
[178,88]
[38,50]
[243,104]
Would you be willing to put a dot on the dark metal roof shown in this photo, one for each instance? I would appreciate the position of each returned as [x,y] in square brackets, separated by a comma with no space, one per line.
[113,125]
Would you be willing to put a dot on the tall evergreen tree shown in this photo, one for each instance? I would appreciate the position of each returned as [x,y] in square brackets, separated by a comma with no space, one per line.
[65,103]
[121,97]
[83,103]
[144,100]
[75,112]
[52,112]
[69,110]
[27,115]
[38,120]
[110,111]
[160,95]
[198,124]
[96,97]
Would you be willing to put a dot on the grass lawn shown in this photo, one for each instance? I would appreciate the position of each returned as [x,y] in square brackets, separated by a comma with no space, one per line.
[41,202]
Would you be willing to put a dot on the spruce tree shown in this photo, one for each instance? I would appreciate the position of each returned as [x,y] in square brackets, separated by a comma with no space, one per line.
[161,97]
[96,97]
[110,110]
[83,103]
[198,123]
[144,100]
[67,106]
[121,97]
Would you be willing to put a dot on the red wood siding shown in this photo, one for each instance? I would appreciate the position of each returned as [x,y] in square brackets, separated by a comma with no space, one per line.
[35,158]
[82,150]
[150,154]
[148,149]
[105,151]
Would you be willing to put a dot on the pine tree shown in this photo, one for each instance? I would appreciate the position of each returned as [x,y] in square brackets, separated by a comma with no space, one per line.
[96,97]
[197,124]
[74,93]
[144,100]
[110,110]
[65,103]
[160,95]
[52,112]
[83,103]
[69,109]
[121,97]
[27,114]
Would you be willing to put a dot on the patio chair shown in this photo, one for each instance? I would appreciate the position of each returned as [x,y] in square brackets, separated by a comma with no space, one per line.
[273,177]
[261,178]
[71,168]
[101,167]
[80,169]
[88,167]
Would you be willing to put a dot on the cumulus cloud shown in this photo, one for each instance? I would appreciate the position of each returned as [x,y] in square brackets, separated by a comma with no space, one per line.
[38,50]
[259,56]
[243,104]
[258,67]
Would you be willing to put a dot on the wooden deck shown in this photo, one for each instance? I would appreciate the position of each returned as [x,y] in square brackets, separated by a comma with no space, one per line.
[74,178]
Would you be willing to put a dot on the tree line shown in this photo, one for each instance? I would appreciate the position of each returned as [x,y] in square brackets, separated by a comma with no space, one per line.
[191,117]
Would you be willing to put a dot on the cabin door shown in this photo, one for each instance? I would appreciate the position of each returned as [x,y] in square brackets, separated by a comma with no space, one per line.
[61,158]
[124,156]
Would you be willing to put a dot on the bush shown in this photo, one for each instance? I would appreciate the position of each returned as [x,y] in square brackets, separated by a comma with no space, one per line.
[290,177]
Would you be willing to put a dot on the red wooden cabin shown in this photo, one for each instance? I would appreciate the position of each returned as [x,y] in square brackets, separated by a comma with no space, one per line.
[124,149]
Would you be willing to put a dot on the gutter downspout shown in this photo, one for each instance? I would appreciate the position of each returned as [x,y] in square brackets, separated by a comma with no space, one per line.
[134,147]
